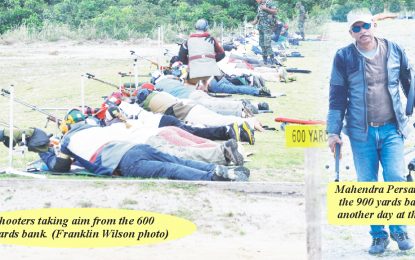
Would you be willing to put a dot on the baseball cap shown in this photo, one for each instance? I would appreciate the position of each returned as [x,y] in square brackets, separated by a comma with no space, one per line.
[355,16]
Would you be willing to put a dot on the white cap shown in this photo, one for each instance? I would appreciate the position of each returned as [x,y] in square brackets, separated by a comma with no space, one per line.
[355,16]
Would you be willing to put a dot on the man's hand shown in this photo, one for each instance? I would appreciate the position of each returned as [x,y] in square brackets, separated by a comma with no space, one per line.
[333,140]
[210,40]
[268,10]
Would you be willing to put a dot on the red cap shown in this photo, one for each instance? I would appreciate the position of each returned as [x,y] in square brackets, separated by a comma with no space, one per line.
[116,98]
[148,86]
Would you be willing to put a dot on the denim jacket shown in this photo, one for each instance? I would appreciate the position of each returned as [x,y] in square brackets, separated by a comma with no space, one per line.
[348,87]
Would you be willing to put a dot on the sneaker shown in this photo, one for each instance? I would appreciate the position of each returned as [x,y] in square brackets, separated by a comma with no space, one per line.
[233,132]
[231,152]
[222,173]
[246,113]
[238,174]
[248,106]
[246,133]
[404,242]
[264,92]
[378,245]
[263,106]
[219,172]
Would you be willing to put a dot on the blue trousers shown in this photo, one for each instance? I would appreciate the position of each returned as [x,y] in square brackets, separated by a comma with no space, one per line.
[147,162]
[211,133]
[224,86]
[384,145]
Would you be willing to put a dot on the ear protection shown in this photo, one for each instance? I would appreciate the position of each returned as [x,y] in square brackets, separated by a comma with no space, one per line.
[73,116]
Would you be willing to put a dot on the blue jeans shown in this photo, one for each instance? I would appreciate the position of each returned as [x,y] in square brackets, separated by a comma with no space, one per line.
[384,145]
[224,86]
[147,162]
[211,133]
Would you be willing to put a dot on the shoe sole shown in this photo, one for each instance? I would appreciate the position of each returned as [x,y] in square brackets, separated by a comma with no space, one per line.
[247,129]
[402,249]
[244,170]
[237,133]
[248,112]
[379,253]
[231,148]
[240,177]
[240,174]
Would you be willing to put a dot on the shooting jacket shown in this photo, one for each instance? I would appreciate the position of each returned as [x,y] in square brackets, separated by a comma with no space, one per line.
[202,55]
[98,149]
[348,87]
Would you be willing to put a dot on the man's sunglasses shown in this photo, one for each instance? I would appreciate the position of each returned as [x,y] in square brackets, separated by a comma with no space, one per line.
[357,28]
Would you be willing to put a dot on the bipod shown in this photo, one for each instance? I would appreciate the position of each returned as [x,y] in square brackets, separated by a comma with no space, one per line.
[135,68]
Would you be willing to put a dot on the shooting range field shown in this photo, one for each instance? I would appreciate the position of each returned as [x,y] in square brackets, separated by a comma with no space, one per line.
[265,219]
[49,75]
[230,216]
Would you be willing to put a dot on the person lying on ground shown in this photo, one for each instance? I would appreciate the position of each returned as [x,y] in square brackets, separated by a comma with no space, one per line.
[171,140]
[178,89]
[223,85]
[172,85]
[124,158]
[164,103]
[149,119]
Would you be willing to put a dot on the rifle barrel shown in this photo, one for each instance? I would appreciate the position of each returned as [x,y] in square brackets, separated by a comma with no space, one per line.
[105,82]
[6,93]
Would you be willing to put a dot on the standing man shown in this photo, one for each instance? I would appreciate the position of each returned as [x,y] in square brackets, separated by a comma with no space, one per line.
[364,90]
[201,52]
[266,22]
[301,19]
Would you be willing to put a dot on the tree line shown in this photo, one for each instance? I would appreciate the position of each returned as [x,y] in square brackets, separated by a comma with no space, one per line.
[118,18]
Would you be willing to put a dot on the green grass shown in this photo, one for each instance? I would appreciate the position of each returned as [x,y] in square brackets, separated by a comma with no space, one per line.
[184,213]
[85,204]
[127,202]
[192,189]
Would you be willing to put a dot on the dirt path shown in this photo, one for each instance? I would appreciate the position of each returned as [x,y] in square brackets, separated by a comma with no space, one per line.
[263,222]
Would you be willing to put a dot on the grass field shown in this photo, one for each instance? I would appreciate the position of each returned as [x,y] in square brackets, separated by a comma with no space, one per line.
[49,75]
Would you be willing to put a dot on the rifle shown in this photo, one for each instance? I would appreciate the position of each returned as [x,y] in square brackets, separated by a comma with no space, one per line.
[91,76]
[121,89]
[50,117]
[136,56]
[125,74]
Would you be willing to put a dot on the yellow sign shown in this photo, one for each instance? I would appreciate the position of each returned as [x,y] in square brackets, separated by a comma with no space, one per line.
[305,136]
[371,203]
[90,227]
